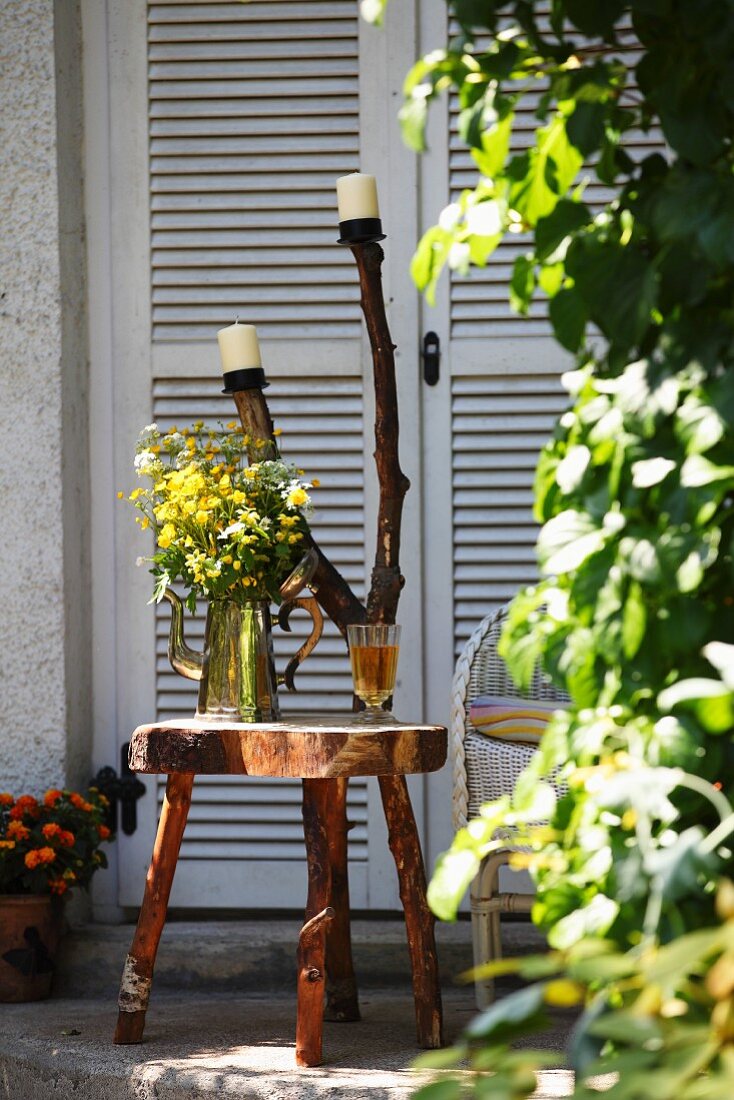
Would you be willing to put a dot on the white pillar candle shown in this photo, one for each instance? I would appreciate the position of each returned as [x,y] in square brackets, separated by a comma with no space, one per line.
[239,347]
[357,197]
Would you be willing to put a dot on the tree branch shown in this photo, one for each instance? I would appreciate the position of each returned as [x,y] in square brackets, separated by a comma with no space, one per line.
[387,580]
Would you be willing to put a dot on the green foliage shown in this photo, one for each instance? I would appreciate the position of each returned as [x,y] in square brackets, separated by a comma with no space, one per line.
[635,492]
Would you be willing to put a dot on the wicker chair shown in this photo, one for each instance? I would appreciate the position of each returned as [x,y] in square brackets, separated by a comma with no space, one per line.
[484,768]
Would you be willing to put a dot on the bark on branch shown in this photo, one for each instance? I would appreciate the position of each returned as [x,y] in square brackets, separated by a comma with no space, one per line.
[387,580]
[332,591]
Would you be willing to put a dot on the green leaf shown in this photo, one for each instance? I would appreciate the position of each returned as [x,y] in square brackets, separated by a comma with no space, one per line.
[491,153]
[413,116]
[517,1008]
[446,1089]
[522,283]
[721,656]
[429,259]
[634,621]
[568,316]
[618,285]
[551,231]
[543,175]
[585,126]
[572,467]
[595,18]
[699,426]
[710,701]
[698,471]
[651,471]
[567,540]
[373,11]
[454,872]
[550,278]
[593,919]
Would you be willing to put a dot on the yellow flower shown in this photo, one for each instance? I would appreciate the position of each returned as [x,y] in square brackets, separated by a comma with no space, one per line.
[166,535]
[191,444]
[237,565]
[297,497]
[238,497]
[278,431]
[294,538]
[315,482]
[227,559]
[136,493]
[201,517]
[120,494]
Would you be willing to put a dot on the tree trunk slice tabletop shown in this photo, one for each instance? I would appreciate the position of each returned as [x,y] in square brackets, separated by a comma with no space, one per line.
[324,747]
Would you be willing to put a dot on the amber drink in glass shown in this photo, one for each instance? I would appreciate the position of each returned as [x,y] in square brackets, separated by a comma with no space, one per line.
[373,651]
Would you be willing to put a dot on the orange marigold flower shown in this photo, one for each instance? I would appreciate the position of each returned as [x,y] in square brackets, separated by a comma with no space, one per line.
[26,804]
[80,803]
[39,856]
[66,838]
[51,830]
[103,831]
[6,799]
[51,797]
[18,831]
[7,843]
[58,886]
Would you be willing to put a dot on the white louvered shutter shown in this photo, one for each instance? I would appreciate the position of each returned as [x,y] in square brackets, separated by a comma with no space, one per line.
[253,111]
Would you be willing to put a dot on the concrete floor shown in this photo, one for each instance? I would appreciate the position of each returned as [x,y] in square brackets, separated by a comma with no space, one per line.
[207,1037]
[218,1045]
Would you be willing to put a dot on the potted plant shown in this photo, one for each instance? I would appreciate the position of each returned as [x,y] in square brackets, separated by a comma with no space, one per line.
[47,848]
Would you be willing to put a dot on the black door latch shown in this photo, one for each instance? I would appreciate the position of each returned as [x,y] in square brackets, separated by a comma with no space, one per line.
[431,356]
[125,789]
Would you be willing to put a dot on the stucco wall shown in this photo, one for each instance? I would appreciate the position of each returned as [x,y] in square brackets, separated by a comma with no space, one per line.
[44,620]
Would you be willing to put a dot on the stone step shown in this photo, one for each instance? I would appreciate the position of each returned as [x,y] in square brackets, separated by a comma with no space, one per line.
[257,955]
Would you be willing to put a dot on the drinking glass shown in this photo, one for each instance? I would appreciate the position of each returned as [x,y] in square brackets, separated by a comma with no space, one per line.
[373,651]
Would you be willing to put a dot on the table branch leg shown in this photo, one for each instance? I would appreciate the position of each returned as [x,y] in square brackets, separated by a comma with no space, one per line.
[312,941]
[342,1003]
[419,920]
[138,971]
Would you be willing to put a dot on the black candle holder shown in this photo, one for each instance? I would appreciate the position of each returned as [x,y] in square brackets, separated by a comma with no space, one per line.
[247,378]
[361,231]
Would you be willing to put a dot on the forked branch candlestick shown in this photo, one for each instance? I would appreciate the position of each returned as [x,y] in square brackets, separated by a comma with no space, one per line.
[332,591]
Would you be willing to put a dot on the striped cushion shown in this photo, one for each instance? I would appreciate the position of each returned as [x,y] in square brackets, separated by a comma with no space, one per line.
[510,719]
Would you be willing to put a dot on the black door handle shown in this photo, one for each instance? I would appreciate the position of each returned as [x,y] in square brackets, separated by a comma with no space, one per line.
[431,355]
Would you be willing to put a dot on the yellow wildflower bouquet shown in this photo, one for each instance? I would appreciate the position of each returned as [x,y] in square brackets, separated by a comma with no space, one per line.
[224,528]
[51,845]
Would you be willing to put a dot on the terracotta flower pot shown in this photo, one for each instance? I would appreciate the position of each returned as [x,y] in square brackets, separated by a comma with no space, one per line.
[30,928]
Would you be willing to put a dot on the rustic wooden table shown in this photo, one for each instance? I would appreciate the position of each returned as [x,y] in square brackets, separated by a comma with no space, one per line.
[324,753]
